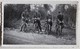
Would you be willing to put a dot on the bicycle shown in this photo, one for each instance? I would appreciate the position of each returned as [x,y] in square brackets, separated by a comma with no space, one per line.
[24,27]
[36,27]
[59,28]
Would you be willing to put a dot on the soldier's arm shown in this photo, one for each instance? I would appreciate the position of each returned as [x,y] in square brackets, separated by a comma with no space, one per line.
[22,15]
[63,18]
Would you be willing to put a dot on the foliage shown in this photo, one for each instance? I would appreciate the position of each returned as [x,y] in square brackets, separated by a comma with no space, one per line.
[12,12]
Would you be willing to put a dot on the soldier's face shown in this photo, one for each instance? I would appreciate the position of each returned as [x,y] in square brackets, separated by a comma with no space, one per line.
[48,19]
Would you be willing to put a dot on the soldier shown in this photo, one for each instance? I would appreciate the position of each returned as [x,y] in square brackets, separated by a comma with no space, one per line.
[25,21]
[59,25]
[37,23]
[48,24]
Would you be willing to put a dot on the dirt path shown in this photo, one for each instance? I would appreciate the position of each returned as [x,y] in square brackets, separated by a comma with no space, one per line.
[17,37]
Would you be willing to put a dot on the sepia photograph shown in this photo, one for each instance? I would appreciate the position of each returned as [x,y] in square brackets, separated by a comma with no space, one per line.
[39,24]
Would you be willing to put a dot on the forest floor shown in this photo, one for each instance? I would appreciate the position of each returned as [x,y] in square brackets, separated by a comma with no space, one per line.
[15,36]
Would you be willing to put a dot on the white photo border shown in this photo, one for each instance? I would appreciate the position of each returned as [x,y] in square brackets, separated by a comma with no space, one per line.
[43,2]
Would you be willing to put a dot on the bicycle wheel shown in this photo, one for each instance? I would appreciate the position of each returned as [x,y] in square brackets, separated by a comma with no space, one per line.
[46,28]
[58,30]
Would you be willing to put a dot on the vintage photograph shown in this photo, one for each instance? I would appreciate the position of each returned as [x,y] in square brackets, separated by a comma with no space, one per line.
[39,24]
